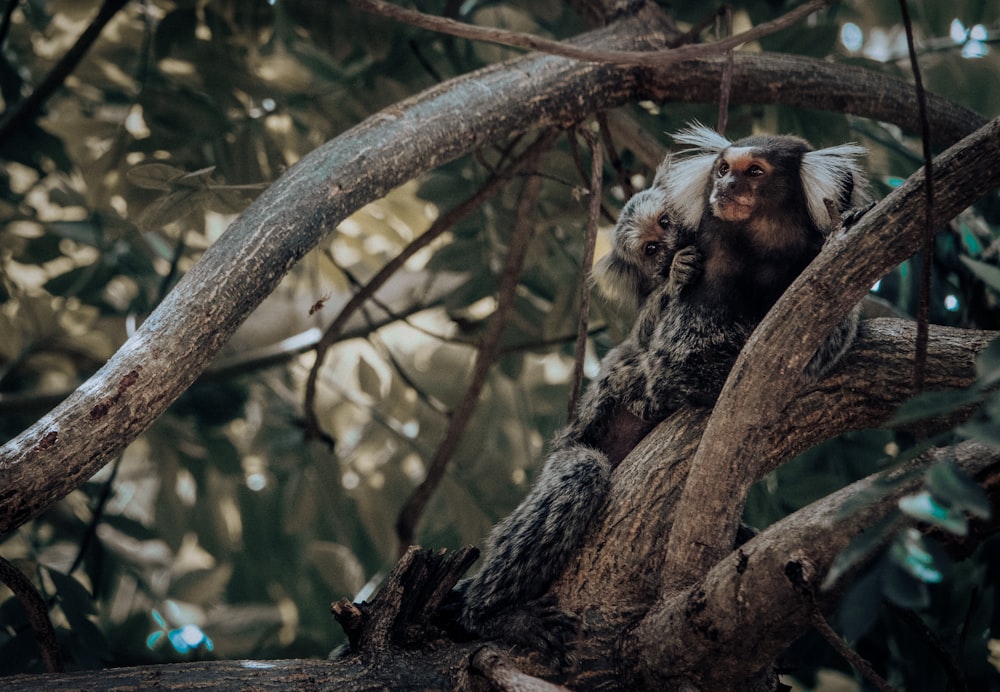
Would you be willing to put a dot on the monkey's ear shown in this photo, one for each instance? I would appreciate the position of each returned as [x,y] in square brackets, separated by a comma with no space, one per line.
[662,173]
[833,174]
[617,280]
[689,176]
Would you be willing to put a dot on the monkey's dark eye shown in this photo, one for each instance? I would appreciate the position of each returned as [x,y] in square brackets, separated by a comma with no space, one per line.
[664,222]
[723,169]
[650,248]
[755,171]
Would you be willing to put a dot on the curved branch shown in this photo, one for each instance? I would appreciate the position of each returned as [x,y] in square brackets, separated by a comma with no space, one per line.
[769,370]
[178,340]
[38,614]
[624,566]
[181,336]
[794,80]
[774,578]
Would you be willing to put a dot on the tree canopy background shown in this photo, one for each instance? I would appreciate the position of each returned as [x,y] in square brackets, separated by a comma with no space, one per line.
[226,515]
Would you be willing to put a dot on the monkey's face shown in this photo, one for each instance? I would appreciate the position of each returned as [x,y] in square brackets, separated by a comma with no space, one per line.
[645,234]
[643,244]
[739,178]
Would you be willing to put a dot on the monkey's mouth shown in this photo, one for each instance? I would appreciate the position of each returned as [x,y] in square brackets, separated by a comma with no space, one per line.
[731,208]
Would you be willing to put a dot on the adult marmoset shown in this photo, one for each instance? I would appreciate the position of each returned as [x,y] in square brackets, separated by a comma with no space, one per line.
[757,211]
[762,206]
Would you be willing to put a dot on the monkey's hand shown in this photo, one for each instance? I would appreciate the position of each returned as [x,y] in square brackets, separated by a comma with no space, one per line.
[853,215]
[684,269]
[538,626]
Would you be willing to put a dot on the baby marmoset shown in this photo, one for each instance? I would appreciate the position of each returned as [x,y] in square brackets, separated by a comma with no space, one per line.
[527,550]
[756,210]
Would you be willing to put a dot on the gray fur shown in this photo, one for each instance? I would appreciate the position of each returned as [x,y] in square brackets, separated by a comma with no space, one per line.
[641,247]
[680,351]
[530,548]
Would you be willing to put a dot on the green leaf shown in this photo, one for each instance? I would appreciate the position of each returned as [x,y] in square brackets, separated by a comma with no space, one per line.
[369,380]
[910,553]
[172,207]
[85,232]
[923,506]
[75,600]
[859,549]
[954,486]
[225,200]
[987,432]
[988,364]
[860,608]
[989,273]
[903,589]
[154,176]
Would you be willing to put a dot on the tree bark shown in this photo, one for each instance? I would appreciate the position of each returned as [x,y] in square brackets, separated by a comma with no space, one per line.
[614,584]
[770,368]
[650,607]
[178,340]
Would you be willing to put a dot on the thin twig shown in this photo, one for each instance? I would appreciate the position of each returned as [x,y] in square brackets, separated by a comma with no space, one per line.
[948,660]
[38,614]
[613,158]
[923,310]
[857,661]
[439,227]
[656,58]
[524,228]
[726,87]
[594,213]
[95,519]
[27,107]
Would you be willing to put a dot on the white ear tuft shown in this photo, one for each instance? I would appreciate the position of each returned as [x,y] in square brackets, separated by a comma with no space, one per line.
[660,180]
[833,174]
[689,174]
[702,139]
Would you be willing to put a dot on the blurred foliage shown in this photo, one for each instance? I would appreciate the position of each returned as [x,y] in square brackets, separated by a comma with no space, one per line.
[221,532]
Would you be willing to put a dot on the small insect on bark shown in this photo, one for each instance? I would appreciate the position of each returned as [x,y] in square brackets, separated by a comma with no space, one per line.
[319,305]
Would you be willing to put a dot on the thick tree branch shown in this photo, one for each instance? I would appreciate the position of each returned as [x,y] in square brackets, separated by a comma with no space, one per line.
[775,578]
[769,371]
[179,339]
[637,519]
[794,80]
[616,579]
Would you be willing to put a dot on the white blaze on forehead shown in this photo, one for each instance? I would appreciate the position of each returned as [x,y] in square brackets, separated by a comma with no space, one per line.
[742,152]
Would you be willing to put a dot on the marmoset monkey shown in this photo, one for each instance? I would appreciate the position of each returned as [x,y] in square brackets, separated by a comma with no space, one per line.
[528,549]
[762,208]
[756,211]
[643,243]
